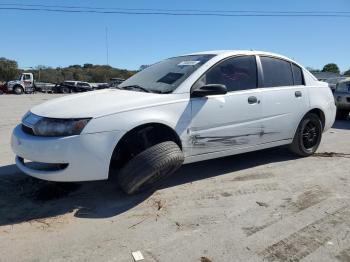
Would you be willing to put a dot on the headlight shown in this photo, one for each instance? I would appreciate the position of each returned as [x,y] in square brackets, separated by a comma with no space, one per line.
[59,127]
[43,126]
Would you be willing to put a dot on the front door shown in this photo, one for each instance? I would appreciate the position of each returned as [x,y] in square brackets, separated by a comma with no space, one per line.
[230,121]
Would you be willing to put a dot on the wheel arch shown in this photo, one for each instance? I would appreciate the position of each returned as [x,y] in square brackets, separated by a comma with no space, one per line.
[155,131]
[319,112]
[18,85]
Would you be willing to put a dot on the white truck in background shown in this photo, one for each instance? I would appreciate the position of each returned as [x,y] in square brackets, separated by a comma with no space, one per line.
[27,84]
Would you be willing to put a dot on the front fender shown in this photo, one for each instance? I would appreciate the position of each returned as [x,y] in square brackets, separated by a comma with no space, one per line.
[11,84]
[176,115]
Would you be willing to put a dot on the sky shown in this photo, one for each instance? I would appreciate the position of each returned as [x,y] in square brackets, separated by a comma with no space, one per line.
[60,39]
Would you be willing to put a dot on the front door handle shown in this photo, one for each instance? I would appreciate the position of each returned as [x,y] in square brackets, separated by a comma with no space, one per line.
[253,100]
[298,94]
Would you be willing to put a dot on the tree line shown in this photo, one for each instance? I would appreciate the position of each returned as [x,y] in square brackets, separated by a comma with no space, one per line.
[91,73]
[88,72]
[332,68]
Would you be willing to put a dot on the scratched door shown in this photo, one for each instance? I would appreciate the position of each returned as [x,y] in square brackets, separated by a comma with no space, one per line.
[284,98]
[230,121]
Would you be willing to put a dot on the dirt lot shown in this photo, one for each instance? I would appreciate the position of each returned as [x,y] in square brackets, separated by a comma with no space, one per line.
[266,205]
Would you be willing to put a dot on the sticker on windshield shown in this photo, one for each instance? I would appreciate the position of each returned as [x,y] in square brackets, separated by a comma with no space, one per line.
[188,63]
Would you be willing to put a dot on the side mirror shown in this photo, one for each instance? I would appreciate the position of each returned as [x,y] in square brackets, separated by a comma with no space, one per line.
[210,89]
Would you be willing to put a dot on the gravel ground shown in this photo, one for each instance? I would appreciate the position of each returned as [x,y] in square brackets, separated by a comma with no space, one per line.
[266,205]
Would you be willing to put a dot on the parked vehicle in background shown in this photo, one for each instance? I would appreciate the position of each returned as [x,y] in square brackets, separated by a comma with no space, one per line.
[342,98]
[73,86]
[116,81]
[98,86]
[27,84]
[83,87]
[181,110]
[332,82]
[3,88]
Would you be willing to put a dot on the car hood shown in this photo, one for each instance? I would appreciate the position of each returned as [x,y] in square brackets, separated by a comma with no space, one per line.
[13,82]
[100,103]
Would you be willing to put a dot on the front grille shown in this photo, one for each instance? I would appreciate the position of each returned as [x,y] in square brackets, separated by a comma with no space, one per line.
[28,130]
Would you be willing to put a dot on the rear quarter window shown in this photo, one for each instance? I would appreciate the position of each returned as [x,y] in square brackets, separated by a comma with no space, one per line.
[298,75]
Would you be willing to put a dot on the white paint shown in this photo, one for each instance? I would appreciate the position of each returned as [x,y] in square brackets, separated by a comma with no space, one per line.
[114,112]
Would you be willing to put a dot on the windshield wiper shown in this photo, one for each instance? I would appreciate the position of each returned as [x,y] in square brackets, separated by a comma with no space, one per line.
[130,87]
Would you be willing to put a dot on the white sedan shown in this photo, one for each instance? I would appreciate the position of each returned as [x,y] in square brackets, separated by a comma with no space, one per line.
[180,110]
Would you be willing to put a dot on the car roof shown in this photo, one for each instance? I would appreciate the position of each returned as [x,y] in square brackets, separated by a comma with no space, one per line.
[239,52]
[345,80]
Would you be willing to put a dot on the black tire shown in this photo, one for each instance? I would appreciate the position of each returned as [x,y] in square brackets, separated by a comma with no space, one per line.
[65,90]
[308,136]
[150,166]
[18,90]
[342,114]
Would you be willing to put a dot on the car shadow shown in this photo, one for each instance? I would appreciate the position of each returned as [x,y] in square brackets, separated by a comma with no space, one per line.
[342,124]
[23,198]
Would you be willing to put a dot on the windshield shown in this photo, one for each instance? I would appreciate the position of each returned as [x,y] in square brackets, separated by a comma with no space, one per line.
[167,75]
[343,87]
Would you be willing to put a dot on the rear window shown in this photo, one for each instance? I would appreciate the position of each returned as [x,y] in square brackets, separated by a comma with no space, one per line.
[276,72]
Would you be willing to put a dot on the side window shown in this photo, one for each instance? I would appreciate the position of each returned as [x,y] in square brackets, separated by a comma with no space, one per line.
[26,77]
[276,72]
[238,73]
[298,75]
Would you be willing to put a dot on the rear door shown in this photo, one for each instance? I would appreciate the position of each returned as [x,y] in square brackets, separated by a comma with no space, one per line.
[230,121]
[284,98]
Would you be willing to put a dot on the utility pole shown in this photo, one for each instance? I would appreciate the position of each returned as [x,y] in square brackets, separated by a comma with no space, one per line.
[107,45]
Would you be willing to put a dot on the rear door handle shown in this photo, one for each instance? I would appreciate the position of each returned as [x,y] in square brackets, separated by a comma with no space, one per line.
[298,94]
[253,100]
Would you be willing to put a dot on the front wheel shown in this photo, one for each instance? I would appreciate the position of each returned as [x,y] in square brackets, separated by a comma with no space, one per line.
[308,136]
[150,166]
[18,90]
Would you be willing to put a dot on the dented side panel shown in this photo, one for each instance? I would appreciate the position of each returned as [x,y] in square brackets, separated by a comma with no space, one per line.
[225,122]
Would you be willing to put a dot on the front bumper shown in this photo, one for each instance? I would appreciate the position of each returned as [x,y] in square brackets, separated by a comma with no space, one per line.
[342,100]
[84,157]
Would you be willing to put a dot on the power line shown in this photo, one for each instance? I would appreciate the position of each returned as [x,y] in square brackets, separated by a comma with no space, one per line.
[168,13]
[176,10]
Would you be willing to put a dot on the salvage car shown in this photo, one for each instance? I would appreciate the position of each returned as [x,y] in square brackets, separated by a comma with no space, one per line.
[342,99]
[73,86]
[183,109]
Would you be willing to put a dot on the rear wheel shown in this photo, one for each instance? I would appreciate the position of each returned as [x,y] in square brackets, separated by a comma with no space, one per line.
[342,114]
[308,136]
[150,166]
[18,90]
